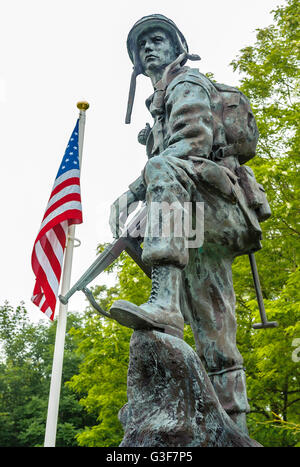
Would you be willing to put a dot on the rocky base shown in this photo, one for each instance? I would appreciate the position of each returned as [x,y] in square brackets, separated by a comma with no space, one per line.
[171,401]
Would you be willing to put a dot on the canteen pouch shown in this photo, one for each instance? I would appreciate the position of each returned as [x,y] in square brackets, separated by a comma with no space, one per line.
[255,193]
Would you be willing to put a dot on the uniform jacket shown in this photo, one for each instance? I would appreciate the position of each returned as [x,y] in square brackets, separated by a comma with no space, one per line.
[197,119]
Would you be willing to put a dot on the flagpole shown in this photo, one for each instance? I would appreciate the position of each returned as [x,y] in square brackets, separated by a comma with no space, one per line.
[56,376]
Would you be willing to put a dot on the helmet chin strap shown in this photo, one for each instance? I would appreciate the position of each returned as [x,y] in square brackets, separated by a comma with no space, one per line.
[166,77]
[136,72]
[131,95]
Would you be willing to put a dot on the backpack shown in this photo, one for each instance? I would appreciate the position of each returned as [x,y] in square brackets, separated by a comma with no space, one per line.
[242,136]
[239,123]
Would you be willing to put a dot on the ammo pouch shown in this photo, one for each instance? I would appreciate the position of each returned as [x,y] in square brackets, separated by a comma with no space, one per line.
[217,177]
[254,192]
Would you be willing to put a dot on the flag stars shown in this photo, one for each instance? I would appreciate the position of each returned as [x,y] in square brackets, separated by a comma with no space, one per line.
[71,156]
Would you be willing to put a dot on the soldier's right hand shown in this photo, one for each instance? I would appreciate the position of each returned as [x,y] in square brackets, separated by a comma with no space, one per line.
[120,210]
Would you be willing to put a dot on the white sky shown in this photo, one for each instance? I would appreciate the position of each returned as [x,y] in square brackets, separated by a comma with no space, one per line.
[55,53]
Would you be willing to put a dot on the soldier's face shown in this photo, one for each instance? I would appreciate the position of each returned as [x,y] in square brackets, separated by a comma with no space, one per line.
[156,50]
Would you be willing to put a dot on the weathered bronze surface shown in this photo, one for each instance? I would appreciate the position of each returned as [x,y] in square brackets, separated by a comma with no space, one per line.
[202,134]
[171,400]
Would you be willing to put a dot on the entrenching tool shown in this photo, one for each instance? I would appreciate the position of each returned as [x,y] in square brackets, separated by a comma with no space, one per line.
[264,320]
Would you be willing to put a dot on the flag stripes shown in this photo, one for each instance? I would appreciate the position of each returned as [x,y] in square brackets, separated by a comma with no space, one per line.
[63,209]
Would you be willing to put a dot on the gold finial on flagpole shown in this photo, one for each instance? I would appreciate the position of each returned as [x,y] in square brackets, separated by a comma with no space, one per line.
[83,105]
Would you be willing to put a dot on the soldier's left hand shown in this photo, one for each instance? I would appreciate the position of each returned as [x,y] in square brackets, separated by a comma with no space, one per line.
[120,210]
[143,134]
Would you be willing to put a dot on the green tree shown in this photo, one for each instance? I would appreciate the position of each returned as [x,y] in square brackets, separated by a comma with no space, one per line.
[270,78]
[270,70]
[25,368]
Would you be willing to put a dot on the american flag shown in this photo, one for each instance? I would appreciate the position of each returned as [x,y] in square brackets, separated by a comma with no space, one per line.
[63,209]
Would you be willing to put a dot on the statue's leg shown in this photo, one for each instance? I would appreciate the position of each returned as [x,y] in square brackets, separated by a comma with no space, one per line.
[230,387]
[208,298]
[210,304]
[169,186]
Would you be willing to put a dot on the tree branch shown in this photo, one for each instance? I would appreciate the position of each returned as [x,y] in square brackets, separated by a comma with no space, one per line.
[261,412]
[295,400]
[290,228]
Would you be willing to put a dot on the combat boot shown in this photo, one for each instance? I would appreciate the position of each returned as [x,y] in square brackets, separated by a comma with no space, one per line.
[162,311]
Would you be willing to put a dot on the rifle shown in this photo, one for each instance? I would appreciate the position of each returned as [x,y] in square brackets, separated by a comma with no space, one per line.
[130,241]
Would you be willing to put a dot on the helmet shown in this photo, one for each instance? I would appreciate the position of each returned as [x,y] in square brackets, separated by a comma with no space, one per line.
[152,21]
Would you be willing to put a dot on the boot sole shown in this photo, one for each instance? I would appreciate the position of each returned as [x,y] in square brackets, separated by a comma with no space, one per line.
[132,316]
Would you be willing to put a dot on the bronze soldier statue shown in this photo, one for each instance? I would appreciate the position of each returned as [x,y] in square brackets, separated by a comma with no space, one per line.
[203,133]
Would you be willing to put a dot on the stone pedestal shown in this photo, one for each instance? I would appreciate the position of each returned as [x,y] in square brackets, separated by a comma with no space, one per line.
[171,401]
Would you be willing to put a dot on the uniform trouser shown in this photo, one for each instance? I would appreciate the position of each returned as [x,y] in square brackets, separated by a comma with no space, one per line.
[207,295]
